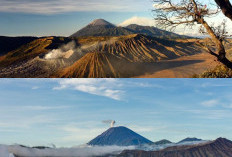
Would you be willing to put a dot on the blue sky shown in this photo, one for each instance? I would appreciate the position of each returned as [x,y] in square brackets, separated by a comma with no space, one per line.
[64,17]
[70,112]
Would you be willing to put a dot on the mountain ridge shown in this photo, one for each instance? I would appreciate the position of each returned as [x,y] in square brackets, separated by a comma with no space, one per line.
[220,147]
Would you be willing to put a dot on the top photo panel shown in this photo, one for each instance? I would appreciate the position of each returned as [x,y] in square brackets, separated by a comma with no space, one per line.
[116,39]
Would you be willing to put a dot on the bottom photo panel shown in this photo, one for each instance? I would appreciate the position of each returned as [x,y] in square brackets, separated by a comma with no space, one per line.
[115,118]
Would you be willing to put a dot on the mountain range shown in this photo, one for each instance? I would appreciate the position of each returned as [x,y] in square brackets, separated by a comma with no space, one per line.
[101,27]
[123,136]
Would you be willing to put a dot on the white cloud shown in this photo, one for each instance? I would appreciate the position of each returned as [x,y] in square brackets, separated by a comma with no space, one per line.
[35,87]
[143,21]
[161,6]
[102,87]
[210,103]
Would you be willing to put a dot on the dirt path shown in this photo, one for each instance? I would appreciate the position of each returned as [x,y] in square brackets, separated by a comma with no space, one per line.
[184,67]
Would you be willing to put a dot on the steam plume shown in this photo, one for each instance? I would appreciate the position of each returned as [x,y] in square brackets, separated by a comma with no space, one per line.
[111,122]
[64,51]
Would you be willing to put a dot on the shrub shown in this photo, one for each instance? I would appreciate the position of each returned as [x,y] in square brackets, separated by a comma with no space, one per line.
[218,72]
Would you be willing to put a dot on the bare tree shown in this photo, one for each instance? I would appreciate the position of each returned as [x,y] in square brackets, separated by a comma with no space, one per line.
[226,7]
[171,14]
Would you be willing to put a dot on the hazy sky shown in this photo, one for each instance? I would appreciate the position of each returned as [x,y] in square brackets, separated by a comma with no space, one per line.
[70,112]
[64,17]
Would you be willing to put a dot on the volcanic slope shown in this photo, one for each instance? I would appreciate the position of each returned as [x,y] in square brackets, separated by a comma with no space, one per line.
[218,148]
[122,56]
[141,48]
[120,136]
[26,61]
[135,49]
[8,44]
[97,65]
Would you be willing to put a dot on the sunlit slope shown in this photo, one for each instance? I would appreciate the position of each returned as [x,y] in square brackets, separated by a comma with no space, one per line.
[32,50]
[94,65]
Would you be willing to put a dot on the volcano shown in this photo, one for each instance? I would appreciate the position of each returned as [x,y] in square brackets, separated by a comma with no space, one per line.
[101,27]
[120,136]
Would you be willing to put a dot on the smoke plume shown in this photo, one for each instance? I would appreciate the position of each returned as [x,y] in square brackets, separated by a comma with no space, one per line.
[110,122]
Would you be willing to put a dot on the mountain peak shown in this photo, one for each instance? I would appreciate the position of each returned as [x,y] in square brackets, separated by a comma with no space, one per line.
[161,142]
[190,140]
[120,136]
[100,22]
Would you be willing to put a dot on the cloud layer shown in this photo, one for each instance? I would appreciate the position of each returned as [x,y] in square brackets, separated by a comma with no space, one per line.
[61,6]
[83,151]
[143,21]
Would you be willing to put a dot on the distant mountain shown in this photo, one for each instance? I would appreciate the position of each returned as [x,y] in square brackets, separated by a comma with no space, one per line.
[100,27]
[153,31]
[101,22]
[218,148]
[161,142]
[190,140]
[120,136]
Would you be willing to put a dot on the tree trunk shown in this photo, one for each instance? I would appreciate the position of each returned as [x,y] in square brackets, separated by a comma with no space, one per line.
[220,52]
[220,47]
[226,7]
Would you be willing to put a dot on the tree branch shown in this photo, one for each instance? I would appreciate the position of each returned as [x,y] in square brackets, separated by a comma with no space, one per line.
[226,7]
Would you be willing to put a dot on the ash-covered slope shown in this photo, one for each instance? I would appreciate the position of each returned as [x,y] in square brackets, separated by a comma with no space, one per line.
[120,136]
[141,48]
[218,148]
[93,65]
